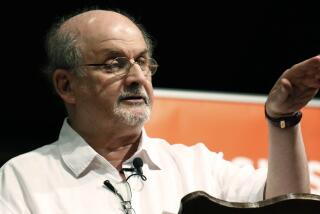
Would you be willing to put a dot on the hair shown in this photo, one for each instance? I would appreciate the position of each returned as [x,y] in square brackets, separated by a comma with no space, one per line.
[62,46]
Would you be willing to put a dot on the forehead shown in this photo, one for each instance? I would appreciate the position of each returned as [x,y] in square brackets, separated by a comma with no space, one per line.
[103,32]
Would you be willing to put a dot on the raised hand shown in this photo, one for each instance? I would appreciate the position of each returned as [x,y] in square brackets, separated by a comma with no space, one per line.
[295,88]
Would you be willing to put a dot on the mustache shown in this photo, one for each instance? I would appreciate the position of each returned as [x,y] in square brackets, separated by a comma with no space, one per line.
[134,92]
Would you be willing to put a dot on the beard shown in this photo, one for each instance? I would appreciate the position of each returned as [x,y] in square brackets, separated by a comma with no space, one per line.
[133,114]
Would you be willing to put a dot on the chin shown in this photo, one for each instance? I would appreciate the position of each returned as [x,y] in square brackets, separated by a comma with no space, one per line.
[133,117]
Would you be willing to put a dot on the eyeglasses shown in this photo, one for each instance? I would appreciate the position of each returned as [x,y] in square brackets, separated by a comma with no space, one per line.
[125,196]
[122,65]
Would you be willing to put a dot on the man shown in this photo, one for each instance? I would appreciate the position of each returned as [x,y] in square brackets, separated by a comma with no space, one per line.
[100,65]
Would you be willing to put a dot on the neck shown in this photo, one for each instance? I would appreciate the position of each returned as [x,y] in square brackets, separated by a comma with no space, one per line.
[115,143]
[118,150]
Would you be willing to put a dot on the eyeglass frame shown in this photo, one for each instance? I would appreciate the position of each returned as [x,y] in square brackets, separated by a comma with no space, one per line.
[128,63]
[125,204]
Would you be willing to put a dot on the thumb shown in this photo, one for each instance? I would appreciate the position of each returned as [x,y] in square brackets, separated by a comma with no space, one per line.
[278,97]
[284,91]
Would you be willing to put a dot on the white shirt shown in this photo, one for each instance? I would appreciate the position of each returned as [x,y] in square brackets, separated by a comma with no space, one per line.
[67,177]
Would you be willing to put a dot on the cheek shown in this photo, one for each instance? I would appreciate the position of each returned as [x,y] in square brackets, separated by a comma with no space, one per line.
[105,84]
[99,85]
[106,95]
[89,93]
[149,89]
[109,91]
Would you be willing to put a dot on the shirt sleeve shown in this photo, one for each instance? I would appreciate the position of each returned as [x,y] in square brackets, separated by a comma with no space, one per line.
[239,184]
[208,171]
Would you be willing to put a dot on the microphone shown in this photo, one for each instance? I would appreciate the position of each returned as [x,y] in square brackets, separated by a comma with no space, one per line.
[137,169]
[110,186]
[137,164]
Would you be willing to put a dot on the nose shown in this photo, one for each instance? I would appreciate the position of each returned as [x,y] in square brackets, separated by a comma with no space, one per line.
[136,74]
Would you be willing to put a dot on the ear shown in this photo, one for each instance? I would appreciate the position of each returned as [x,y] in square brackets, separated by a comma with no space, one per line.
[62,81]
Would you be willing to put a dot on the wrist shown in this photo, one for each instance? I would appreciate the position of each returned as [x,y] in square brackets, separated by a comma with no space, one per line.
[284,120]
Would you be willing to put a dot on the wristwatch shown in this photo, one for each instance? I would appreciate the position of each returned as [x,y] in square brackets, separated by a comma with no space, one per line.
[285,121]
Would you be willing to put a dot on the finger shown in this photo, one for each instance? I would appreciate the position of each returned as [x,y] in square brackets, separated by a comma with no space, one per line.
[311,80]
[313,62]
[305,74]
[308,67]
[298,101]
[318,78]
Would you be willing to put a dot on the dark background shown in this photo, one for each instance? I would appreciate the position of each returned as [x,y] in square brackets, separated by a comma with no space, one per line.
[229,46]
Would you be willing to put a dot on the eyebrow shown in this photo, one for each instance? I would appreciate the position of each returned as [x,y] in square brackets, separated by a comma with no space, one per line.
[116,53]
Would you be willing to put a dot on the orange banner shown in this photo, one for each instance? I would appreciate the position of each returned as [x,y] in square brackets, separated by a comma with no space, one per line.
[232,124]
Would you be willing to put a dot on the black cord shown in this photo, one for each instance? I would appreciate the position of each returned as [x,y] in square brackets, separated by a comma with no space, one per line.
[144,178]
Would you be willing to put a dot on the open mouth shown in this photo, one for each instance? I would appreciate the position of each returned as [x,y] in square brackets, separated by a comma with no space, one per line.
[134,99]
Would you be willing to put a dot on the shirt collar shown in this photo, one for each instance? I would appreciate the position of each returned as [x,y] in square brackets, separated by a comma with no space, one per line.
[147,152]
[77,154]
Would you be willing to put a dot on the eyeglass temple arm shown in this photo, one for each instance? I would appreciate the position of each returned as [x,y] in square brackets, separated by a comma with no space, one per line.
[112,189]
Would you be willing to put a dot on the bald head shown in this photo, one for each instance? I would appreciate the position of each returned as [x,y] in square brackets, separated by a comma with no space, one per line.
[100,24]
[95,18]
[70,42]
[94,29]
